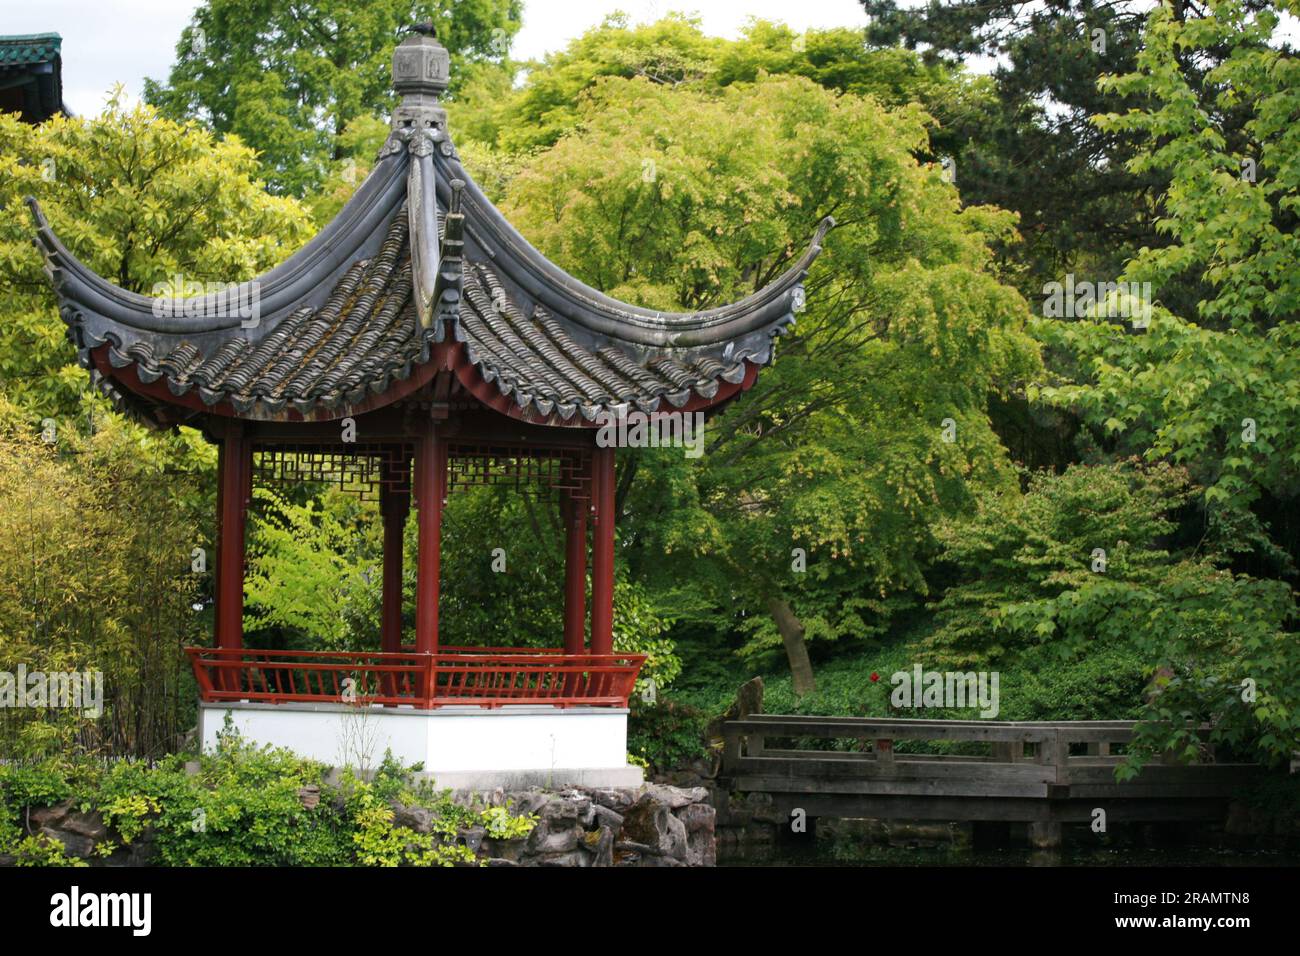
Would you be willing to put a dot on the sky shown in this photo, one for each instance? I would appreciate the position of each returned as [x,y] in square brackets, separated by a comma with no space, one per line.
[123,41]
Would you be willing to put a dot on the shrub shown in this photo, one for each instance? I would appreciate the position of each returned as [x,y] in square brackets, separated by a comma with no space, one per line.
[666,734]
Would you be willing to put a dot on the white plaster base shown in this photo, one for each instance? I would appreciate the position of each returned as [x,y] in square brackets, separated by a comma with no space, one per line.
[460,747]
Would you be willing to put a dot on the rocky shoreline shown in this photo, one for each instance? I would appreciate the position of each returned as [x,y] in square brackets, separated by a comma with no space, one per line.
[650,825]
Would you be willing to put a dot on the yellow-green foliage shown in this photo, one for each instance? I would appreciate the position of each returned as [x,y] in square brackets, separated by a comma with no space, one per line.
[129,812]
[379,843]
[140,200]
[41,850]
[245,806]
[96,533]
[502,825]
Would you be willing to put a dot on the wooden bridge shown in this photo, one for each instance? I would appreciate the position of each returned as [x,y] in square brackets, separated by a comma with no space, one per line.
[1042,774]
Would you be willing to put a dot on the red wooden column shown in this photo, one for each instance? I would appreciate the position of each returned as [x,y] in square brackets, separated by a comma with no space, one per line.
[430,489]
[235,476]
[602,551]
[394,506]
[575,574]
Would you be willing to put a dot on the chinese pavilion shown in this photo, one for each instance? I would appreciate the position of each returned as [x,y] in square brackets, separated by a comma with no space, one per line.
[416,346]
[31,76]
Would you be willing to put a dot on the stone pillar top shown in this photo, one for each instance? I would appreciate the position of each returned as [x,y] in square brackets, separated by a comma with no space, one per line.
[421,72]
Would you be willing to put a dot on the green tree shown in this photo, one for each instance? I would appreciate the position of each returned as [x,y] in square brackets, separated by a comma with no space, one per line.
[674,52]
[503,581]
[99,526]
[842,448]
[1087,563]
[1083,208]
[97,546]
[1214,388]
[139,199]
[1210,386]
[288,79]
[314,571]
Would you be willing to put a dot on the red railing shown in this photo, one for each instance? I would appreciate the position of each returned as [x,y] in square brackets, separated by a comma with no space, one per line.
[486,677]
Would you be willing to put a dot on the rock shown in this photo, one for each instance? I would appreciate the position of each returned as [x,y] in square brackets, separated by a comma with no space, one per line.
[415,818]
[574,795]
[49,816]
[653,860]
[704,767]
[1246,820]
[680,778]
[123,856]
[554,841]
[143,848]
[510,851]
[627,853]
[524,802]
[573,858]
[651,823]
[675,798]
[473,837]
[676,843]
[701,847]
[601,845]
[618,798]
[739,814]
[920,834]
[562,811]
[697,816]
[89,825]
[604,817]
[749,700]
[73,844]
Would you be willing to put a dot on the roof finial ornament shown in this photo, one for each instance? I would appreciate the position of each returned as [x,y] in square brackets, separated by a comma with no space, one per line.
[421,72]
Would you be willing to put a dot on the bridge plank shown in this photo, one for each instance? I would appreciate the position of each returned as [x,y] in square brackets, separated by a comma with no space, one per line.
[887,787]
[878,730]
[1047,786]
[997,809]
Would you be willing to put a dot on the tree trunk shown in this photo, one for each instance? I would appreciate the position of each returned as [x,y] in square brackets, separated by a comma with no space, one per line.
[795,648]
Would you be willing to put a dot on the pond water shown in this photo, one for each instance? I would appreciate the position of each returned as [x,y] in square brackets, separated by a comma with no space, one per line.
[842,850]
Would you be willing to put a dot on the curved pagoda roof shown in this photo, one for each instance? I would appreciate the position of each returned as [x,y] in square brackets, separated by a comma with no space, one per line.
[419,259]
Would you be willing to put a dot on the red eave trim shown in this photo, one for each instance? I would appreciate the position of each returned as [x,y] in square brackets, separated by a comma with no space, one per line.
[488,394]
[129,378]
[452,356]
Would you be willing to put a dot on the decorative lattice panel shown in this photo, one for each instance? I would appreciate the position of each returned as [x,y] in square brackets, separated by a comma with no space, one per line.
[532,470]
[358,469]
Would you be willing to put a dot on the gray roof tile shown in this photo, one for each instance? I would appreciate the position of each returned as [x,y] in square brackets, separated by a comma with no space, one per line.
[339,321]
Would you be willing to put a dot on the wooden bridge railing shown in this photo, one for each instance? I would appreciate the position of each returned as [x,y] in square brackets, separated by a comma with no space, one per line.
[1031,759]
[1046,774]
